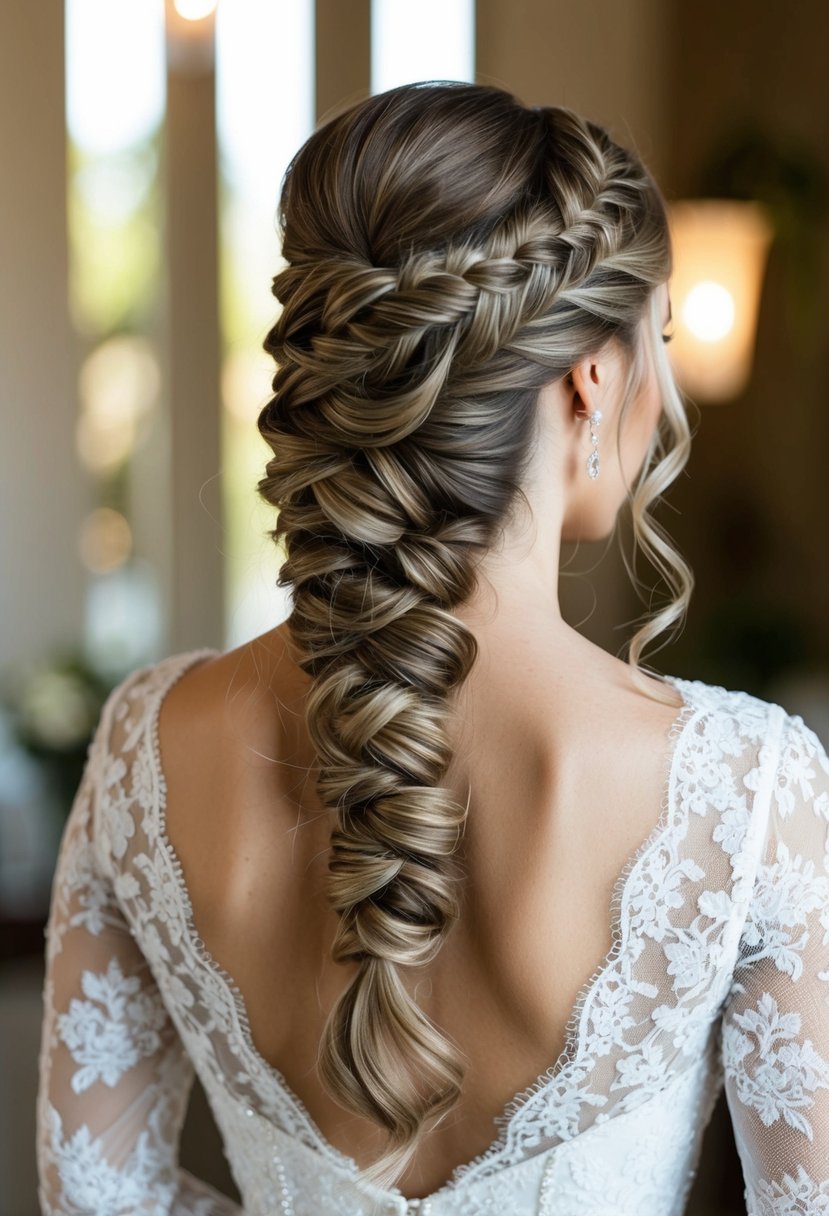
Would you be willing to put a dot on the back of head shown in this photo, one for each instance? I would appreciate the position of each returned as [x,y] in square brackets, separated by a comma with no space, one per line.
[449,251]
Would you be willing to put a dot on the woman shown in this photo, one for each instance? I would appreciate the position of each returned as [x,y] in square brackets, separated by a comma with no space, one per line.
[370,873]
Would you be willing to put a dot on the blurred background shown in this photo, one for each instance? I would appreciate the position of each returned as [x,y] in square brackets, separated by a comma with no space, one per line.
[142,146]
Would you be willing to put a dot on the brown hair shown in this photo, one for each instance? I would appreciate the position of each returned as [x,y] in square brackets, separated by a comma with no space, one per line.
[449,251]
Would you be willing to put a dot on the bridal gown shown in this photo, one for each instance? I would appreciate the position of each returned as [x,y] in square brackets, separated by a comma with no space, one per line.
[718,976]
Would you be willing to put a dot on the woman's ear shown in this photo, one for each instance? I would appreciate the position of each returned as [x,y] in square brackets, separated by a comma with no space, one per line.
[583,380]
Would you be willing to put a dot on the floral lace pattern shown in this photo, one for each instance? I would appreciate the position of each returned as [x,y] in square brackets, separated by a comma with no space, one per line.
[775,1028]
[718,975]
[109,1033]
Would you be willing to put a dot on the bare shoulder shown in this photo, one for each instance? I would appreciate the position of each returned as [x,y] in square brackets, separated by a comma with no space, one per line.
[252,699]
[237,764]
[234,683]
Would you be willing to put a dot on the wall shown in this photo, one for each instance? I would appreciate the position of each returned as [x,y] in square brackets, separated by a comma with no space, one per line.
[754,508]
[42,494]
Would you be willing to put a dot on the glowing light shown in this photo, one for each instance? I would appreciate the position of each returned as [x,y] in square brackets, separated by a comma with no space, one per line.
[119,384]
[246,384]
[195,10]
[105,540]
[709,311]
[720,249]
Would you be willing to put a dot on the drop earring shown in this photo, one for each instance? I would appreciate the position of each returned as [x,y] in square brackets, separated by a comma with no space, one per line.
[593,459]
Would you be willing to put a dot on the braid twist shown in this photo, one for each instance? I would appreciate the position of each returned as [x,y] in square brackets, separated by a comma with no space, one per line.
[371,320]
[432,286]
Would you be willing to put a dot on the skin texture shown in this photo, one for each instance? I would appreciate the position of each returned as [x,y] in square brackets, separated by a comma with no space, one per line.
[549,829]
[565,503]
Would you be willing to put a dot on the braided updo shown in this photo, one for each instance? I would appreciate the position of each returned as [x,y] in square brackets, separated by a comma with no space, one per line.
[449,251]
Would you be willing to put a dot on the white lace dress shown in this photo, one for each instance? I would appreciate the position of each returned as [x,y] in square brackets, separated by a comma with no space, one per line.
[718,974]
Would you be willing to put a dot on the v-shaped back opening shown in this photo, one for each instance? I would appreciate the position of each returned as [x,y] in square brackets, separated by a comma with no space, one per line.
[170,672]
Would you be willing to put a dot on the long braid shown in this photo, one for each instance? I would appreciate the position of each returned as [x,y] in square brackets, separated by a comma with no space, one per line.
[401,421]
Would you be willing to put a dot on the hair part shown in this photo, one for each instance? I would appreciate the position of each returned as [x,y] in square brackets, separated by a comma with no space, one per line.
[449,251]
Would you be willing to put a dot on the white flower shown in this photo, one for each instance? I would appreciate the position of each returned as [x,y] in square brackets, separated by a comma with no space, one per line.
[731,829]
[610,1018]
[640,1069]
[716,904]
[792,1195]
[778,1082]
[109,1033]
[689,960]
[126,886]
[660,887]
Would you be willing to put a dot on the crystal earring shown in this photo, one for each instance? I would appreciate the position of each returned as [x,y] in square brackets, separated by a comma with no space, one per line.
[593,459]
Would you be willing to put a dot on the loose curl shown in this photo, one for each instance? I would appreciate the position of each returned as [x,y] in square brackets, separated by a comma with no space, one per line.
[449,251]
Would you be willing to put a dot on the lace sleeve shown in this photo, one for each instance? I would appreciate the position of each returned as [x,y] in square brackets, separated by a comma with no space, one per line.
[775,1030]
[114,1078]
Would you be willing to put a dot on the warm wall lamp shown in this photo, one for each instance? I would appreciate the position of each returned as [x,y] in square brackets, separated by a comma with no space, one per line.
[753,185]
[720,250]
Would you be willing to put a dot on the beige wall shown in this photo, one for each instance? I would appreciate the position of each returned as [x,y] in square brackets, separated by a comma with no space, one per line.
[189,549]
[609,61]
[343,53]
[43,495]
[754,508]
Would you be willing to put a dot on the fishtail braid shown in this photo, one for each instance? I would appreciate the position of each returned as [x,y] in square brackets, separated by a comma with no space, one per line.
[432,287]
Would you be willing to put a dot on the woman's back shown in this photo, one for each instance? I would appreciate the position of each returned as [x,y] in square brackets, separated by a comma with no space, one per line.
[567,777]
[160,964]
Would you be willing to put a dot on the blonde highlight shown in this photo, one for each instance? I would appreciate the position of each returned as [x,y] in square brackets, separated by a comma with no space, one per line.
[448,252]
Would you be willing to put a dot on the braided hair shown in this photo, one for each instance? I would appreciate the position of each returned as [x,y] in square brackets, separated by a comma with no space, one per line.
[448,251]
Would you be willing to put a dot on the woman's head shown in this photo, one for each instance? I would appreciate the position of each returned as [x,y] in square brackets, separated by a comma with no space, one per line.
[453,256]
